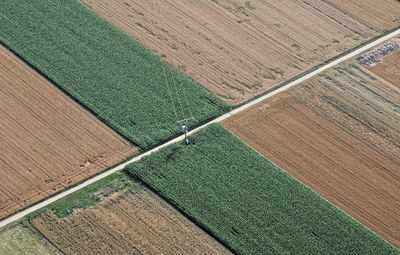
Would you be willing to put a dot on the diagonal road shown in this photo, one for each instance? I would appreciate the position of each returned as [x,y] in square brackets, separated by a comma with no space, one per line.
[52,199]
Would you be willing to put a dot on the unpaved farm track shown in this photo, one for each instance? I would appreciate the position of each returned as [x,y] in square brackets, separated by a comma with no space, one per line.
[235,49]
[139,222]
[47,141]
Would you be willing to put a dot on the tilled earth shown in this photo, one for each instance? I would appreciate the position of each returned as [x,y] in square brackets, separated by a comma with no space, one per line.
[237,49]
[47,141]
[127,223]
[324,141]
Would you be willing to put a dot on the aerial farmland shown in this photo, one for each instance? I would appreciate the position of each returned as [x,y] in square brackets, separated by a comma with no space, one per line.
[378,15]
[117,79]
[237,49]
[248,203]
[199,127]
[21,240]
[338,133]
[133,219]
[388,68]
[48,141]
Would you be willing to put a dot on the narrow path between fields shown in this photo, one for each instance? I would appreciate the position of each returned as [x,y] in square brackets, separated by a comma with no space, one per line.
[50,200]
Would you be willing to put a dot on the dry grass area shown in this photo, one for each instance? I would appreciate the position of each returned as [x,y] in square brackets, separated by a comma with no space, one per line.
[339,134]
[127,223]
[237,49]
[379,15]
[47,141]
[389,69]
[20,240]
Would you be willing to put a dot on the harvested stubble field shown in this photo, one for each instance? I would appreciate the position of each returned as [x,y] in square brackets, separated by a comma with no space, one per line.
[337,133]
[119,80]
[237,49]
[127,223]
[249,203]
[379,15]
[47,141]
[389,69]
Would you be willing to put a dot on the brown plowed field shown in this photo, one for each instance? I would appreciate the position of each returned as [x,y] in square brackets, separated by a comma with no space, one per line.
[337,165]
[127,223]
[389,69]
[47,141]
[380,15]
[237,49]
[361,103]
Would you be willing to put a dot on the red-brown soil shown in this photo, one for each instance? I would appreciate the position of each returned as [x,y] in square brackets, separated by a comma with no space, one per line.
[127,223]
[343,169]
[380,15]
[47,141]
[237,49]
[389,69]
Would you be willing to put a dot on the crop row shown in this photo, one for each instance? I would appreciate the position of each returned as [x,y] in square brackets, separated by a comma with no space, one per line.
[119,80]
[248,203]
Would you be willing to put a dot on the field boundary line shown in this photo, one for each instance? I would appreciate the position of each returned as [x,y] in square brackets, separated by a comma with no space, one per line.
[352,53]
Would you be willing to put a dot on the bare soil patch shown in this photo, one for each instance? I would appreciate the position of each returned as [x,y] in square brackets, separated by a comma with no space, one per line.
[389,69]
[343,169]
[47,141]
[380,15]
[237,49]
[127,223]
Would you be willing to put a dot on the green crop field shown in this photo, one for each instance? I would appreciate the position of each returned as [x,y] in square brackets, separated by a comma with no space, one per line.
[248,203]
[124,84]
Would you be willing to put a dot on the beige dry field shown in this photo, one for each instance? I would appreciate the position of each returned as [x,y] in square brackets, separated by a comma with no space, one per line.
[47,141]
[379,15]
[127,223]
[339,134]
[359,102]
[389,69]
[237,49]
[20,240]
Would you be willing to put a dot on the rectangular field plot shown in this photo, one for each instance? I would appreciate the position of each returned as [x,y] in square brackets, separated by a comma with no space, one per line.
[359,102]
[379,15]
[237,49]
[123,83]
[47,141]
[19,240]
[339,134]
[389,69]
[249,203]
[127,222]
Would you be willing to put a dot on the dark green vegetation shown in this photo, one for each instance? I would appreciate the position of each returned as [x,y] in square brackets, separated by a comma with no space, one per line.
[248,203]
[119,80]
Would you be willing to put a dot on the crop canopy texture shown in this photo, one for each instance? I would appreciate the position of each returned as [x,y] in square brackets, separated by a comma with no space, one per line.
[115,77]
[248,203]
